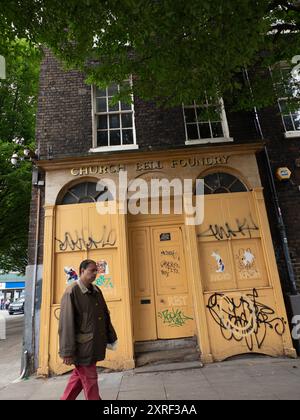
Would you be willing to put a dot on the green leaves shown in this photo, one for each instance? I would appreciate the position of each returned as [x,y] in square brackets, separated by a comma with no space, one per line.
[15,187]
[176,49]
[18,98]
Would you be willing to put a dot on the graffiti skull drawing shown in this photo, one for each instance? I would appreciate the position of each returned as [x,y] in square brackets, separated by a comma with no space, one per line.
[221,265]
[248,258]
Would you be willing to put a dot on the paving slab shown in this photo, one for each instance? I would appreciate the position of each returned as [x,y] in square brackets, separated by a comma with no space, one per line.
[250,379]
[169,367]
[141,395]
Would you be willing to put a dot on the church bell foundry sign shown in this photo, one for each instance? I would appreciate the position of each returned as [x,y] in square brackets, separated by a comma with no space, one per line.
[154,165]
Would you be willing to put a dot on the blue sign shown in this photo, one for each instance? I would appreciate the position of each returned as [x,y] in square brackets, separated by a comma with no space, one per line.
[15,285]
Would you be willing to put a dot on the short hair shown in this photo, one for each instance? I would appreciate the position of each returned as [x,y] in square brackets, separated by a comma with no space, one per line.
[84,264]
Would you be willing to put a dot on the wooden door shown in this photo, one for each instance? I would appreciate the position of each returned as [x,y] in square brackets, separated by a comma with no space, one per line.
[243,299]
[174,314]
[144,325]
[162,305]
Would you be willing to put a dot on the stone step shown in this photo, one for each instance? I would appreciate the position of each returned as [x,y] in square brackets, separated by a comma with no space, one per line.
[169,367]
[167,356]
[157,345]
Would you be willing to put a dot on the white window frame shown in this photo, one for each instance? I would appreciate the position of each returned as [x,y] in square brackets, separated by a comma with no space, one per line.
[287,133]
[109,148]
[225,139]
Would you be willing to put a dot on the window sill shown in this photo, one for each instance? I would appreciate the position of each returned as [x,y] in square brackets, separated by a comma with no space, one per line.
[114,148]
[212,140]
[292,134]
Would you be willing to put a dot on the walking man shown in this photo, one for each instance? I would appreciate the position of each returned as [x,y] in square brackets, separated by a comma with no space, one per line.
[85,329]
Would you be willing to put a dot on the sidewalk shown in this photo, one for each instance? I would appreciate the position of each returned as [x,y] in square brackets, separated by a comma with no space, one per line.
[250,378]
[11,348]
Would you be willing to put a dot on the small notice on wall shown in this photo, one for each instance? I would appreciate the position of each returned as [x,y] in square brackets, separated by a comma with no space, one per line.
[165,237]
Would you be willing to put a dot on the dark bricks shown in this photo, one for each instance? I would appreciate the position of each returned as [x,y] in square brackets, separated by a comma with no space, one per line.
[64,128]
[283,152]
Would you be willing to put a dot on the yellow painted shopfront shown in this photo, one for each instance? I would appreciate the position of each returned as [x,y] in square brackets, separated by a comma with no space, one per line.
[163,278]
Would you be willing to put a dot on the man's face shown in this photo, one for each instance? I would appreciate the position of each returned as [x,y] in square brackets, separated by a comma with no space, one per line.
[90,273]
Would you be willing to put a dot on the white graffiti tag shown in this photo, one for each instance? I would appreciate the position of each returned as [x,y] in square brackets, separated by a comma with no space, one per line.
[221,265]
[248,258]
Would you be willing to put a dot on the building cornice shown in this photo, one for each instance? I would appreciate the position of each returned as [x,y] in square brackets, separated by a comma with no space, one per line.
[133,157]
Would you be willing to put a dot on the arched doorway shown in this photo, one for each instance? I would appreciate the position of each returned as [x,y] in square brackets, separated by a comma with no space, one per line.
[80,231]
[161,293]
[240,286]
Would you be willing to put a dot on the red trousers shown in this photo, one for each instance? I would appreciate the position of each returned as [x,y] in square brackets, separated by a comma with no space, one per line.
[83,377]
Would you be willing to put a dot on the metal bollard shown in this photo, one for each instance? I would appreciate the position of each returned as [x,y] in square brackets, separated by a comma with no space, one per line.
[2,327]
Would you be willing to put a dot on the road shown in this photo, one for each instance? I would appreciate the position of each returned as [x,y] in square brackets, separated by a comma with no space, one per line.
[11,348]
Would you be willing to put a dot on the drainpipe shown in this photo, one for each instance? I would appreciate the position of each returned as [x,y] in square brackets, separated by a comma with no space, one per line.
[281,227]
[28,361]
[293,298]
[33,297]
[257,122]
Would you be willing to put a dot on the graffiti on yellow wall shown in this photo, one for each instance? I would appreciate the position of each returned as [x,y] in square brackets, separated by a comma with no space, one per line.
[246,264]
[72,242]
[104,281]
[70,274]
[226,231]
[170,262]
[103,271]
[244,318]
[174,318]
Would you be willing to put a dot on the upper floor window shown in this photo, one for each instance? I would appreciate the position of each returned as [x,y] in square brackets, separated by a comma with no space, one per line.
[113,125]
[290,119]
[287,90]
[205,123]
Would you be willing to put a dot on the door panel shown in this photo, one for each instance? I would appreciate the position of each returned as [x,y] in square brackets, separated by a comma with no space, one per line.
[244,307]
[162,303]
[144,325]
[217,266]
[249,263]
[82,233]
[174,314]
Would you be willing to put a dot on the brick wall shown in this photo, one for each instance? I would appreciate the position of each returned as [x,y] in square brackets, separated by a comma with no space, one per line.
[64,112]
[64,128]
[283,152]
[64,117]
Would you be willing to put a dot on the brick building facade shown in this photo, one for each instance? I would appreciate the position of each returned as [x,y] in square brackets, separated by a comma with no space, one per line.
[64,132]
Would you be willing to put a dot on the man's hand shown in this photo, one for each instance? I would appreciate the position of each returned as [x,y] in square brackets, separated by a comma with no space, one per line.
[68,360]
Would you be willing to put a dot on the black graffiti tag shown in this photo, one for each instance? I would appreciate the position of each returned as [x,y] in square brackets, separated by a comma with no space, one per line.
[170,253]
[78,242]
[225,232]
[168,267]
[244,318]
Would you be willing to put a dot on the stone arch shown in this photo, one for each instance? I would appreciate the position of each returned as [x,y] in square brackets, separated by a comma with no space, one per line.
[82,191]
[223,180]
